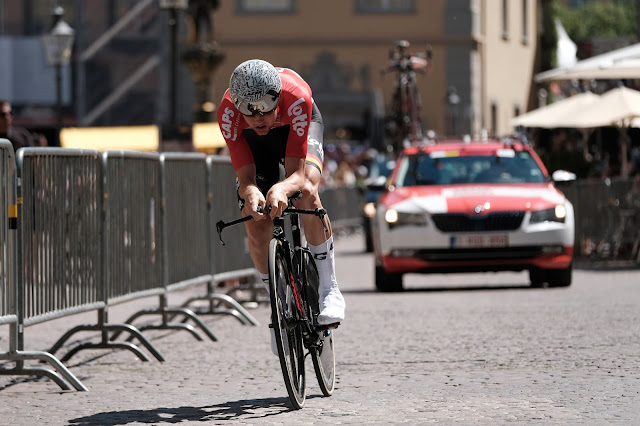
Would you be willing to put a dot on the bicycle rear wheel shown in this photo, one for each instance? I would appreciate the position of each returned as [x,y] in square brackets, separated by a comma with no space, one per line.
[324,363]
[283,318]
[322,353]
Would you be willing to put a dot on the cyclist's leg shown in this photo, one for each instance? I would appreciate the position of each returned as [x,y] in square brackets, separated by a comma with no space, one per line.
[310,199]
[331,301]
[259,235]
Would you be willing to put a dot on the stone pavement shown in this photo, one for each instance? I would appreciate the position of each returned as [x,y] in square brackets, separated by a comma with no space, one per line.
[488,350]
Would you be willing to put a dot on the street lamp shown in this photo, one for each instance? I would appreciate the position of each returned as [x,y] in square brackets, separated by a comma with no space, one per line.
[173,6]
[453,100]
[57,48]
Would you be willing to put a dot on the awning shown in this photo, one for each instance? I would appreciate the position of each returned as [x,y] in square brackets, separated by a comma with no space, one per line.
[207,137]
[616,64]
[563,113]
[134,138]
[617,107]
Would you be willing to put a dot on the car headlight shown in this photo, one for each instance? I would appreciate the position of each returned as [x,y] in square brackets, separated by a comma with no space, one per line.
[369,210]
[554,214]
[395,218]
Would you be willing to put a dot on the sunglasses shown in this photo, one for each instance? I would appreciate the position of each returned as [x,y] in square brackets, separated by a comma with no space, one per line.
[265,105]
[257,111]
[5,113]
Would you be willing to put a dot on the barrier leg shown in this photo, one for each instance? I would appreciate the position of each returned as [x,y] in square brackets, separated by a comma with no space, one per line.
[105,343]
[166,313]
[167,325]
[129,321]
[213,309]
[39,372]
[237,310]
[62,376]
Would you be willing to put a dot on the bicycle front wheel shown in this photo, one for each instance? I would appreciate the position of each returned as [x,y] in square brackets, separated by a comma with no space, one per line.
[283,318]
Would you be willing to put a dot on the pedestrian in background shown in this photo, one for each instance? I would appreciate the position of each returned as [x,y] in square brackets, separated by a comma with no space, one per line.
[19,136]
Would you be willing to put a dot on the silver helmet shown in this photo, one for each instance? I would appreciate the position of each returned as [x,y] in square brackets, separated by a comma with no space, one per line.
[255,87]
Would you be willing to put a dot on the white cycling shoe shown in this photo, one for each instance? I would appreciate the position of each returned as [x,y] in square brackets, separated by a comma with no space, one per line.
[331,307]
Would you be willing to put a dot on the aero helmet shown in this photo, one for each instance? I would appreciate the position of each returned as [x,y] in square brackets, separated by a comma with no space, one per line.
[255,87]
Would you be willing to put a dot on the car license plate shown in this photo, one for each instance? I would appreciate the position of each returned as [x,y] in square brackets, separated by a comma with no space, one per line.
[479,241]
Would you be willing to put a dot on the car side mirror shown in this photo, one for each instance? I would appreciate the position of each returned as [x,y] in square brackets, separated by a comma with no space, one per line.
[563,176]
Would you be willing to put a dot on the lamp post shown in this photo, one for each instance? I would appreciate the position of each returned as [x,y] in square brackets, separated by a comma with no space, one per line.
[57,48]
[173,6]
[202,57]
[453,100]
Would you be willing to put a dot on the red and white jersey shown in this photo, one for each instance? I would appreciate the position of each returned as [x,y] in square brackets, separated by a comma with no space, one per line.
[294,109]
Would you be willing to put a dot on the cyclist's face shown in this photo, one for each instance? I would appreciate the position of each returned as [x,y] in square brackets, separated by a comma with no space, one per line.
[261,123]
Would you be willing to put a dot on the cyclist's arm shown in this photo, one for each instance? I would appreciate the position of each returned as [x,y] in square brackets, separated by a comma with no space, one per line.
[277,197]
[249,191]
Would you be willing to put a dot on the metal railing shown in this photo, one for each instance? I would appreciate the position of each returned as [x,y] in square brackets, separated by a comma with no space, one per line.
[23,302]
[86,230]
[607,215]
[231,262]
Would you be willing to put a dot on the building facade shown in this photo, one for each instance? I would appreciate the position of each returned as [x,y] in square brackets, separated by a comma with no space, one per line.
[484,58]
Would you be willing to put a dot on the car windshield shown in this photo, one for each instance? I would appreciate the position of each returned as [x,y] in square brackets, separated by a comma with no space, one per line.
[440,168]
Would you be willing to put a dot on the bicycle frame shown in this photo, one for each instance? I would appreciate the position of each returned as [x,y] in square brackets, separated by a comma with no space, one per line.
[295,250]
[293,294]
[294,247]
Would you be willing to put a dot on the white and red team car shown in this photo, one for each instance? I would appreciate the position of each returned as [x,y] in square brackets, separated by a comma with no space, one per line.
[459,206]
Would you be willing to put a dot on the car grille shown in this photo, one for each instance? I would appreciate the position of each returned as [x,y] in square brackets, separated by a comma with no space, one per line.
[495,253]
[460,222]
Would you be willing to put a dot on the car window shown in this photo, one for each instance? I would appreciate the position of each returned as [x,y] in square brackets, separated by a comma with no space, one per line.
[437,169]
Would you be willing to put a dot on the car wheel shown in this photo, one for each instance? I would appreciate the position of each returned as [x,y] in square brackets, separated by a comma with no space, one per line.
[537,277]
[387,282]
[560,277]
[368,238]
[368,242]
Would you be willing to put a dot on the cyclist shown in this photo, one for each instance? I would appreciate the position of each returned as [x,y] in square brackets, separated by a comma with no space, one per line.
[269,119]
[401,59]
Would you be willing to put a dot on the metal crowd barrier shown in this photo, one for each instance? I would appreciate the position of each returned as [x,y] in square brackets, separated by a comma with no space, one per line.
[231,262]
[58,270]
[137,236]
[8,295]
[192,189]
[86,231]
[187,245]
[120,254]
[10,299]
[607,215]
[344,205]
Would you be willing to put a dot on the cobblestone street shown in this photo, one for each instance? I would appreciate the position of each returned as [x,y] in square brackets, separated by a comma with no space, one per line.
[452,349]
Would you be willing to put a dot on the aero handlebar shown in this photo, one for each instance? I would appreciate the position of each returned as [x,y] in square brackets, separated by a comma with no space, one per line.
[319,212]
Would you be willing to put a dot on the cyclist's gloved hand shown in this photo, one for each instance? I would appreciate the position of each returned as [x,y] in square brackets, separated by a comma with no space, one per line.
[277,200]
[254,203]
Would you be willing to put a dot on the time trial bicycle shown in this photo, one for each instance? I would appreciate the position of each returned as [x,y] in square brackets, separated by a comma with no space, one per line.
[293,292]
